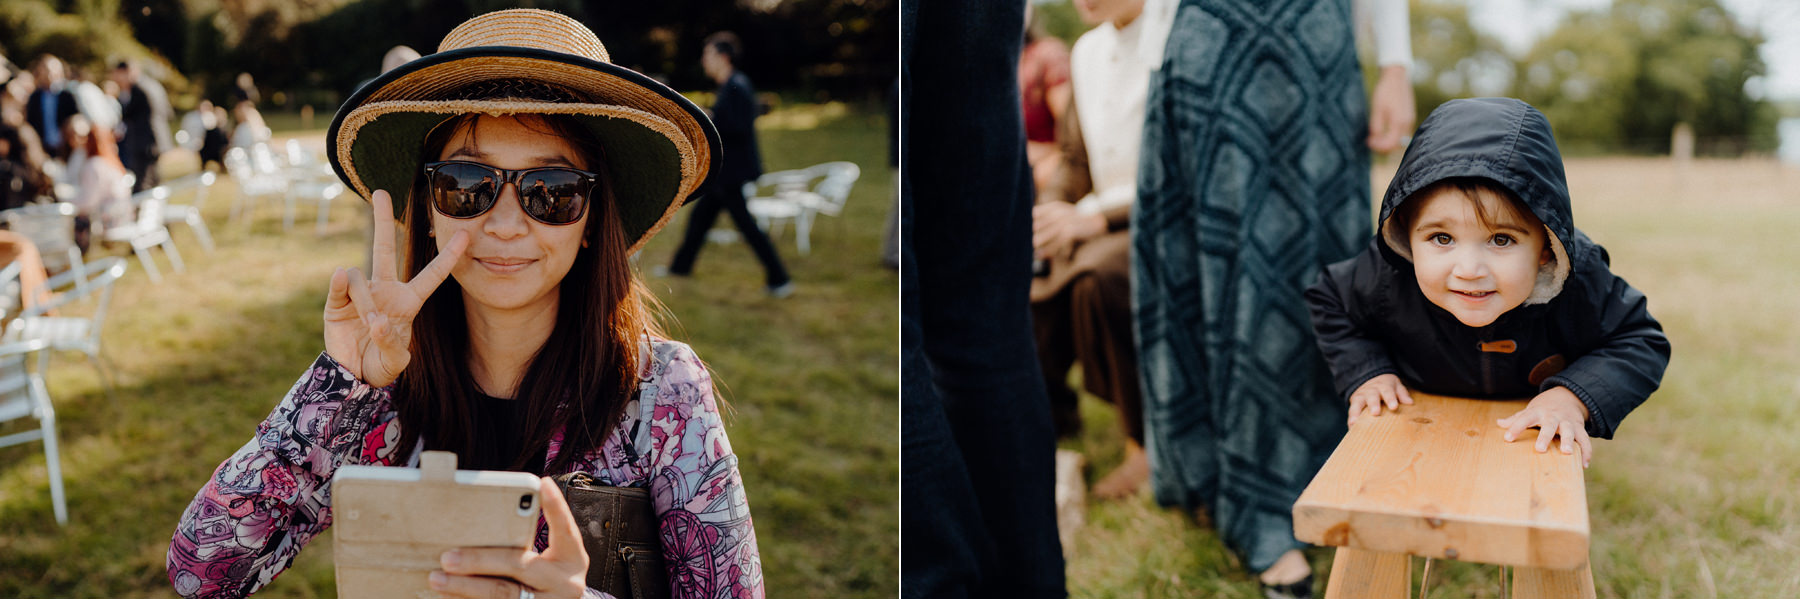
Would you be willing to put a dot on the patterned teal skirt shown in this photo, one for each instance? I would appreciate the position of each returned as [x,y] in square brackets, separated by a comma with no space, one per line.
[1254,176]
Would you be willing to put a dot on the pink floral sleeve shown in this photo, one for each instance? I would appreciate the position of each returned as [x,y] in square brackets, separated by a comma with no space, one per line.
[708,542]
[273,496]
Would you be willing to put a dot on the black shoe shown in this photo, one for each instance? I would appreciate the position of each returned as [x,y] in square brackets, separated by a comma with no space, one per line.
[1301,589]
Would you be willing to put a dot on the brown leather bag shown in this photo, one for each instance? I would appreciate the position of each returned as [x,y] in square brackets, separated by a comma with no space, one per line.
[618,528]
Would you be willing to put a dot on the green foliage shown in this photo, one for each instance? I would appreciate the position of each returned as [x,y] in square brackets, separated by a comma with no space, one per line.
[1451,59]
[1612,79]
[86,40]
[1058,19]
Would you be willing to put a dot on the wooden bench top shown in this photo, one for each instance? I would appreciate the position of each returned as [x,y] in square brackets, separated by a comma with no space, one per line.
[1436,479]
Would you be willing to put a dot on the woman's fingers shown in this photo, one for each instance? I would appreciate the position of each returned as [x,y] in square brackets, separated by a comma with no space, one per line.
[384,256]
[439,269]
[337,298]
[565,535]
[360,296]
[1405,397]
[477,587]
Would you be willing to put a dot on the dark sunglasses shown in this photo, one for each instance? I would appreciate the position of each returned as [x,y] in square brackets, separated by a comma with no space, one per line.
[553,195]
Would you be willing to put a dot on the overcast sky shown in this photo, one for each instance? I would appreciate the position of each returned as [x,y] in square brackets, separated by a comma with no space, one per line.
[1518,23]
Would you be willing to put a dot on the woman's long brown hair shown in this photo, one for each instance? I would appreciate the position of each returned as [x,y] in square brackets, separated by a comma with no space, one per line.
[579,381]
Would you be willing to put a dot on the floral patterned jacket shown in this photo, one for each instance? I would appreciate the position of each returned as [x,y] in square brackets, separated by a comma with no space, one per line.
[274,495]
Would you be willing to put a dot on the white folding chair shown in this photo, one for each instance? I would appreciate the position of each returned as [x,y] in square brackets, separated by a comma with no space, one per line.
[148,231]
[782,205]
[66,332]
[51,227]
[256,178]
[189,214]
[23,395]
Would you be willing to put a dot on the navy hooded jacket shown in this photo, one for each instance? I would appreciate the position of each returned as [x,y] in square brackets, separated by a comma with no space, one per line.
[1583,328]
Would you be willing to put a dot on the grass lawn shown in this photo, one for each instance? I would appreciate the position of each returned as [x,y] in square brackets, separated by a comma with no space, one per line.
[201,359]
[1697,495]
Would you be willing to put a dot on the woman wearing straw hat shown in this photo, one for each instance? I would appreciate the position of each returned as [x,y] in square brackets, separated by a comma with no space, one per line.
[518,338]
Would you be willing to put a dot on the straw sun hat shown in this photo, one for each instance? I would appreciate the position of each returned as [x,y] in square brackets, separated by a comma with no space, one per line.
[660,146]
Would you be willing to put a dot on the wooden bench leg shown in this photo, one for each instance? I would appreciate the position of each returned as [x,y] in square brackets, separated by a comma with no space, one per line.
[1540,583]
[1357,574]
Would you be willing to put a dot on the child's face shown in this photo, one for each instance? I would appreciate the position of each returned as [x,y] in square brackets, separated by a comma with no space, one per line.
[1475,271]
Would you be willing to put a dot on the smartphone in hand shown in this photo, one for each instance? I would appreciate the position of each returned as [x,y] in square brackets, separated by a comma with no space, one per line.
[391,524]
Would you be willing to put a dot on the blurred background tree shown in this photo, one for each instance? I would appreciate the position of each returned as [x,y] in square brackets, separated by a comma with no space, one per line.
[1622,78]
[1613,79]
[316,52]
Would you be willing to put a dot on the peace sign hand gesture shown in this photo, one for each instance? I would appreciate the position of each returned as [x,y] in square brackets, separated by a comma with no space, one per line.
[368,322]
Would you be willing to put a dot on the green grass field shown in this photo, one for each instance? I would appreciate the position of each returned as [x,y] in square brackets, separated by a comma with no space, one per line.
[1696,497]
[811,383]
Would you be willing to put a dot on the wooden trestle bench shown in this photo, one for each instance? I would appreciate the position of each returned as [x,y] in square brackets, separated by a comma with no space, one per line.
[1436,479]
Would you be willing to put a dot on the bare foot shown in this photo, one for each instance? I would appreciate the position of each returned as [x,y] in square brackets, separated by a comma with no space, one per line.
[1288,569]
[1125,480]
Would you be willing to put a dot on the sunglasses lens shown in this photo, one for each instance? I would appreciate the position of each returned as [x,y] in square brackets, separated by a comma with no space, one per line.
[554,196]
[463,190]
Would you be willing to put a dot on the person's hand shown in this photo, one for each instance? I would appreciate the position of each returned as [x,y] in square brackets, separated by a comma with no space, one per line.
[559,572]
[1555,413]
[1056,227]
[1391,110]
[1384,389]
[368,322]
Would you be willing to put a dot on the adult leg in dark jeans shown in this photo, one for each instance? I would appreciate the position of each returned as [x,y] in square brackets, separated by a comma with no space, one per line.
[975,417]
[705,212]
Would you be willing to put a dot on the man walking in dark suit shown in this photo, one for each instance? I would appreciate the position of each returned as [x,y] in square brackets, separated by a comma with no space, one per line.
[734,112]
[50,107]
[140,107]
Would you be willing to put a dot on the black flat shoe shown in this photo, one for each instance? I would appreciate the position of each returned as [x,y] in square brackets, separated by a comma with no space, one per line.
[1301,589]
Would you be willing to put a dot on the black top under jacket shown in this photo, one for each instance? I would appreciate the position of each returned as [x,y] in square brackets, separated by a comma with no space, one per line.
[1596,336]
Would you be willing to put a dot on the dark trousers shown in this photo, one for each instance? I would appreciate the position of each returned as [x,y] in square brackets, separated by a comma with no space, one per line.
[139,156]
[1089,321]
[977,446]
[700,220]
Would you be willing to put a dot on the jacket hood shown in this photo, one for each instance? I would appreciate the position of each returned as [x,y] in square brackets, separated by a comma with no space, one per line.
[1505,141]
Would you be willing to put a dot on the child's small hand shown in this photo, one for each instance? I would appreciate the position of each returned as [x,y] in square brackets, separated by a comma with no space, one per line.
[1383,389]
[1555,413]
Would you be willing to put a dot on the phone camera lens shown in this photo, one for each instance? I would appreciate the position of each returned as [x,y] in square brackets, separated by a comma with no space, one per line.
[524,502]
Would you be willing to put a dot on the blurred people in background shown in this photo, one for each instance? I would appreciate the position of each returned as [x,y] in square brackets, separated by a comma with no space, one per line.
[143,124]
[98,102]
[396,56]
[734,112]
[22,178]
[101,198]
[244,90]
[1044,91]
[49,108]
[250,129]
[1081,229]
[204,131]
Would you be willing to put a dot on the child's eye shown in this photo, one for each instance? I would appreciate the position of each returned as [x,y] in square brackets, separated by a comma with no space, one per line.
[1440,238]
[1503,240]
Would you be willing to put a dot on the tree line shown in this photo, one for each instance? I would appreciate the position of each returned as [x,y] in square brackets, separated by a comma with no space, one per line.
[317,51]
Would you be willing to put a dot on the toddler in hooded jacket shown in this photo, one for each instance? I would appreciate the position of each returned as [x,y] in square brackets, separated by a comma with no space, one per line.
[1479,285]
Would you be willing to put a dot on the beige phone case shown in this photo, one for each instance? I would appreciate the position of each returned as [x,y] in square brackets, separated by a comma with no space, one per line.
[392,524]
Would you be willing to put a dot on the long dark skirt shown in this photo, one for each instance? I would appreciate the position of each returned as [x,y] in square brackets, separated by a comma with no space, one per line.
[1255,175]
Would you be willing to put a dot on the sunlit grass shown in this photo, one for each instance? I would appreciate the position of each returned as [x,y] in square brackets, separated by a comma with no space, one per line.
[201,358]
